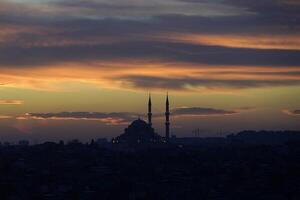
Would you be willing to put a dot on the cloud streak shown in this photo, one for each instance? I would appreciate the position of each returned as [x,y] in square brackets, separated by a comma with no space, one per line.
[107,118]
[198,111]
[284,42]
[11,102]
[292,112]
[5,117]
[124,118]
[194,83]
[155,75]
[125,9]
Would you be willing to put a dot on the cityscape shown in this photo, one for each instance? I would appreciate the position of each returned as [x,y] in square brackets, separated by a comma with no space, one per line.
[149,99]
[141,164]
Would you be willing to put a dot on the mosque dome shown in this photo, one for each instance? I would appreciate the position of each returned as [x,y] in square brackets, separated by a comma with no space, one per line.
[138,132]
[139,124]
[142,132]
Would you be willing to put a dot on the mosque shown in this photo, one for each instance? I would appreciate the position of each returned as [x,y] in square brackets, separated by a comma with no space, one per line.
[141,132]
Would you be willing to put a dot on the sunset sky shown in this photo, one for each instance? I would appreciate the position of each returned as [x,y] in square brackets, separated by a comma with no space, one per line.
[84,68]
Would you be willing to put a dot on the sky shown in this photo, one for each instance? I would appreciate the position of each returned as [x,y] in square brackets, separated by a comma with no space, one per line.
[84,68]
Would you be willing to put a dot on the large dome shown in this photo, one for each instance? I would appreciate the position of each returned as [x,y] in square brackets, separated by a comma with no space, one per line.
[138,132]
[138,124]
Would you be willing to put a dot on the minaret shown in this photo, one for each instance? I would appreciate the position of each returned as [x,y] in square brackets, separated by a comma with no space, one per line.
[149,111]
[167,119]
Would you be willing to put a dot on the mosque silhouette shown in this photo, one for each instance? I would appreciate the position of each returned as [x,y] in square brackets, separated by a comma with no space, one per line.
[142,132]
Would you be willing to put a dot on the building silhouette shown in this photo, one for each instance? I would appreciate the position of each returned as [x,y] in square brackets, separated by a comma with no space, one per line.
[142,132]
[150,111]
[167,123]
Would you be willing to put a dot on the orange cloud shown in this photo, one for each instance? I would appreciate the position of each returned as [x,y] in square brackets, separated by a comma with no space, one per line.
[11,102]
[287,42]
[5,117]
[108,121]
[123,75]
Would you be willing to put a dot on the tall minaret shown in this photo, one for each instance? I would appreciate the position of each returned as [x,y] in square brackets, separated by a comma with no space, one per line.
[167,119]
[150,111]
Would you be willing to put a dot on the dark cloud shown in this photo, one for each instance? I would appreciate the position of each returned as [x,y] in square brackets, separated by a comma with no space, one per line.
[197,111]
[164,51]
[125,117]
[188,83]
[270,17]
[292,112]
[40,37]
[49,39]
[291,73]
[109,118]
[284,11]
[145,8]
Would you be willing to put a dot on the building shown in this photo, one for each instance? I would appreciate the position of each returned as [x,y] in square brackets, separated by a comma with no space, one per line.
[142,132]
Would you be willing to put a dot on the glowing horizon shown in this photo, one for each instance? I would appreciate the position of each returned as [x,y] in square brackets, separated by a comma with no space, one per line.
[215,58]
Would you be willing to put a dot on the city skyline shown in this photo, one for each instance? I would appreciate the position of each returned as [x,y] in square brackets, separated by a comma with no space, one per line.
[83,69]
